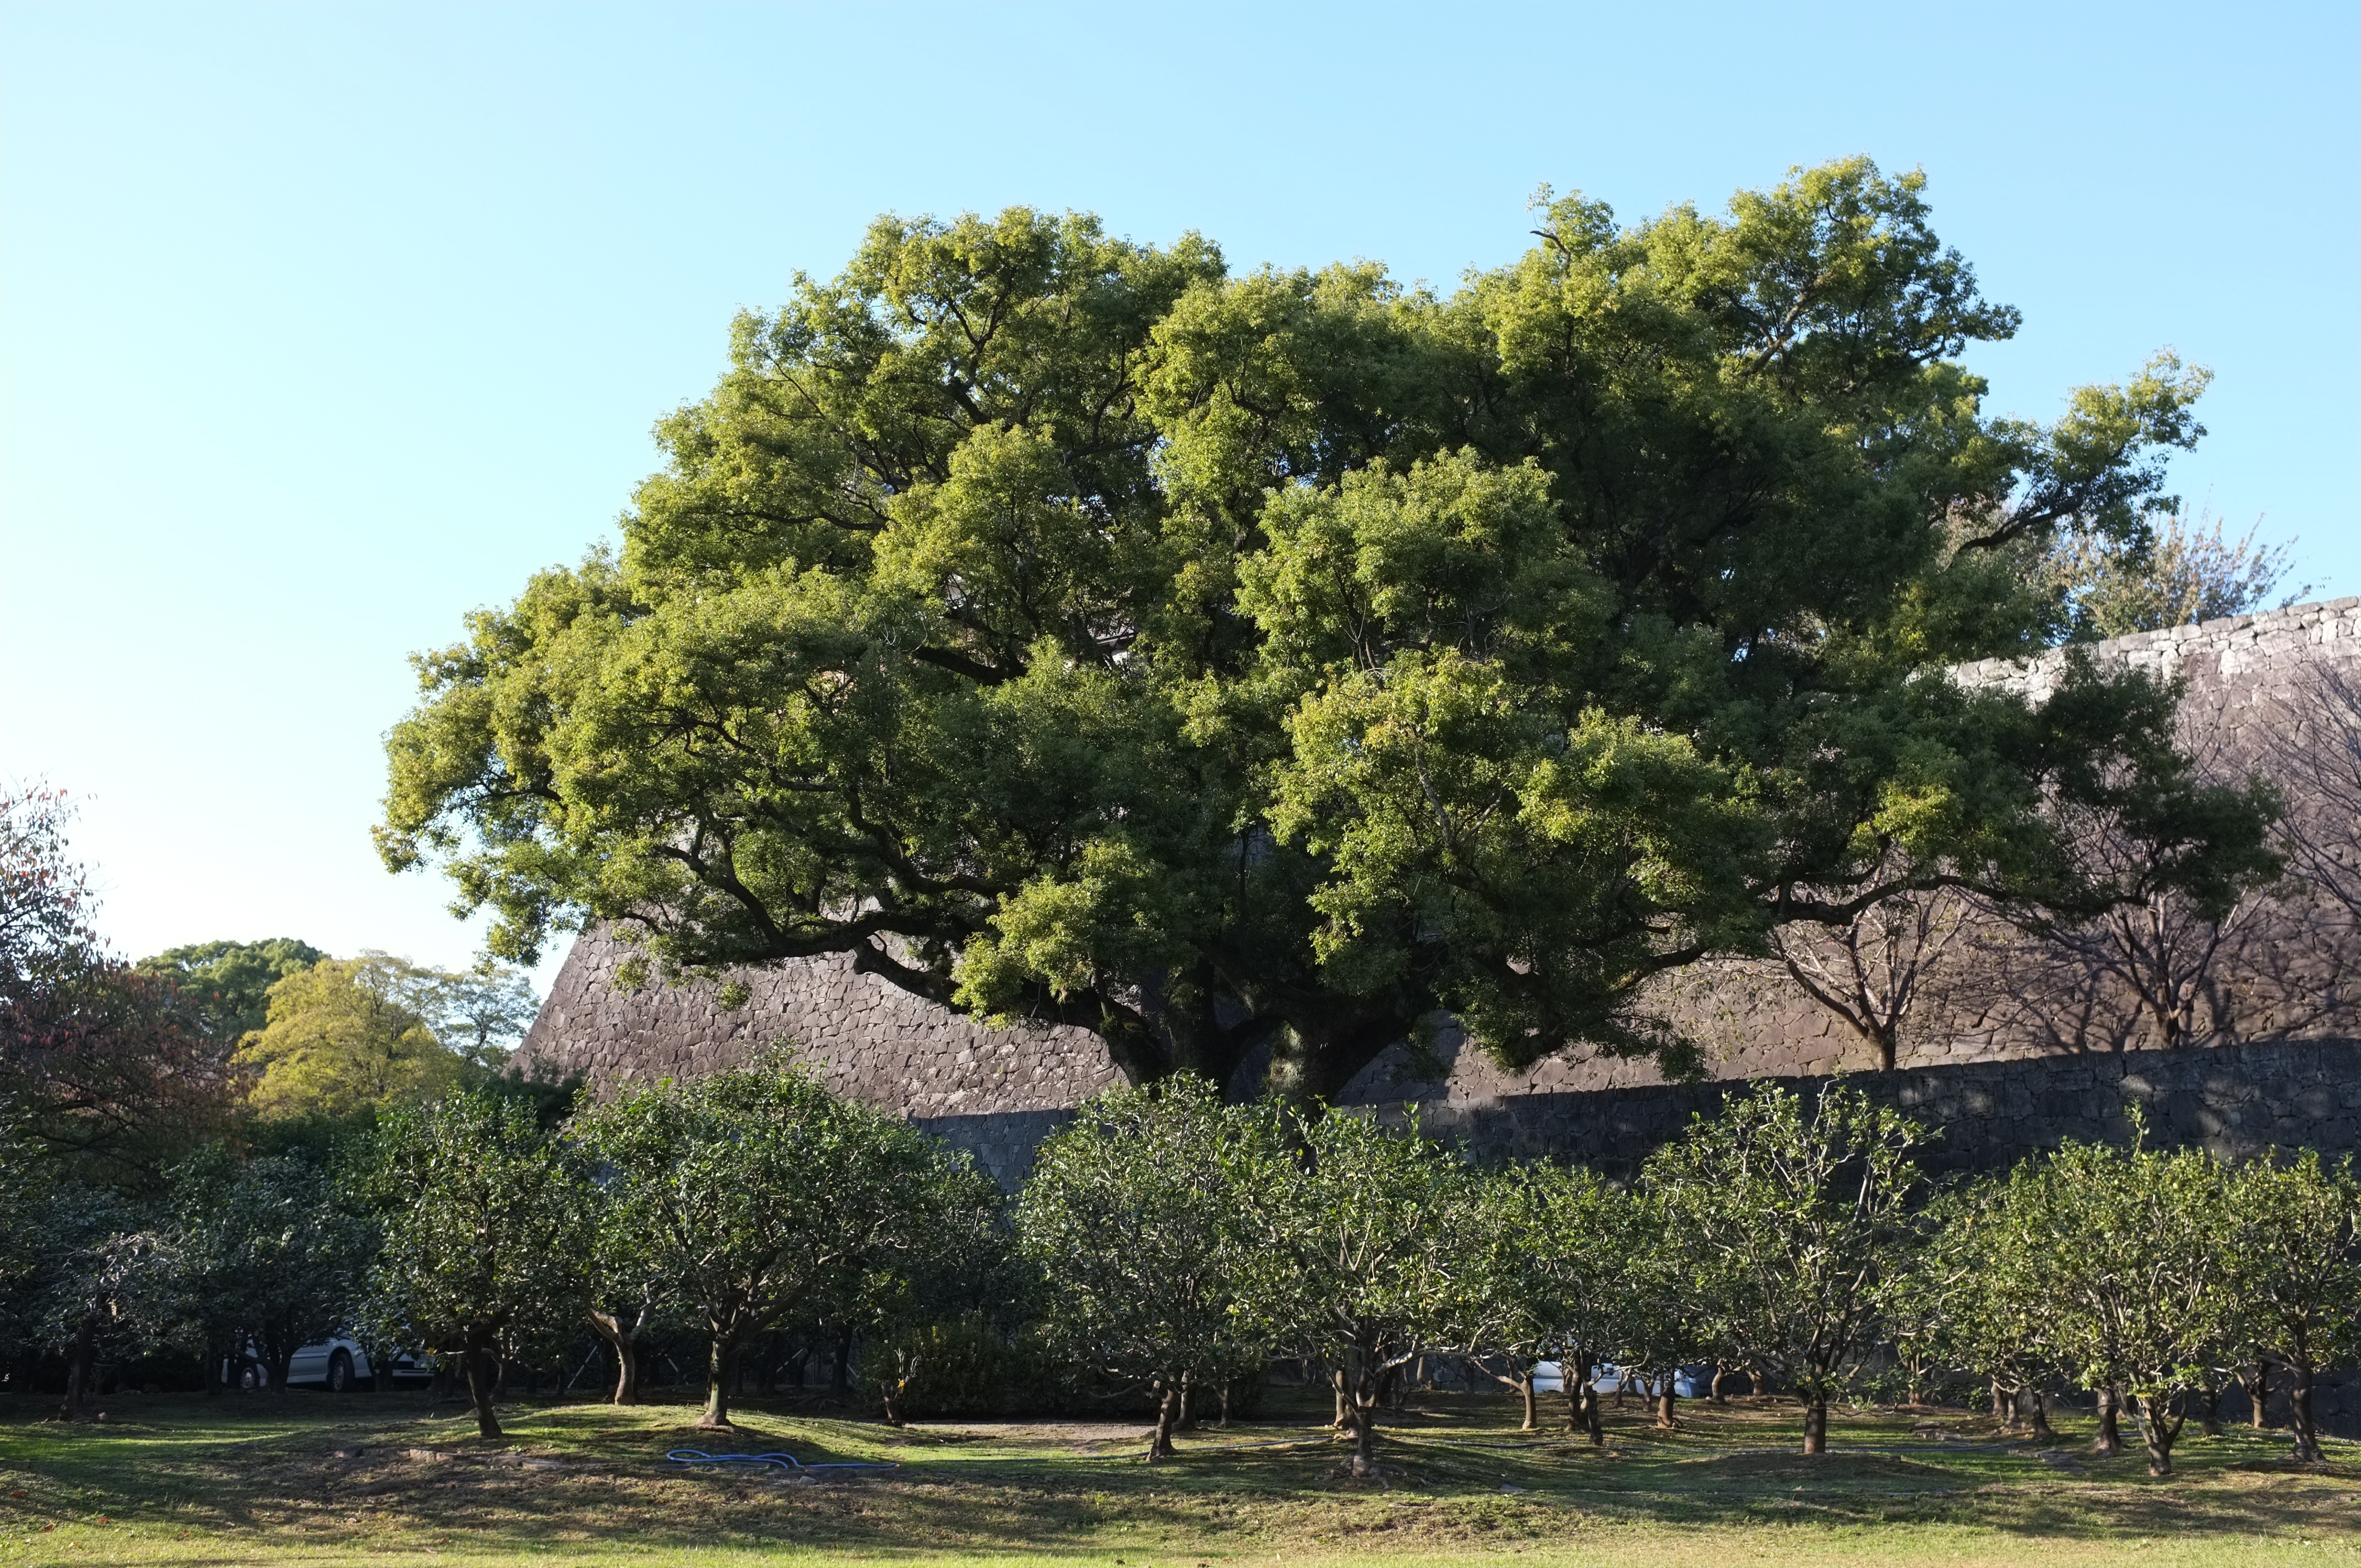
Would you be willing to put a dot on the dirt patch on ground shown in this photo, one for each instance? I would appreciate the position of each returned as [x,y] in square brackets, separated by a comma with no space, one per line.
[1826,1469]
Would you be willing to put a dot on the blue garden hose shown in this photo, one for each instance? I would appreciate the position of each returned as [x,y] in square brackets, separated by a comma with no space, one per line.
[784,1461]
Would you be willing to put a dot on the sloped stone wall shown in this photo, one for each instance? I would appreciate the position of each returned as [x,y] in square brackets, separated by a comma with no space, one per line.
[996,1092]
[866,1039]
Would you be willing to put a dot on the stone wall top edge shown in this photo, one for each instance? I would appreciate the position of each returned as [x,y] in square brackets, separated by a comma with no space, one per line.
[2221,631]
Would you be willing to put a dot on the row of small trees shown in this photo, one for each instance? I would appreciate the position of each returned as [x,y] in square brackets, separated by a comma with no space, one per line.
[491,1227]
[1181,1241]
[1170,1244]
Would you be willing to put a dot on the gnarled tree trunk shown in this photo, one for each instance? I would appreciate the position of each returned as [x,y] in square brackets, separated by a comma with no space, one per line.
[483,1372]
[2159,1428]
[1168,1397]
[2110,1441]
[2301,1376]
[721,1361]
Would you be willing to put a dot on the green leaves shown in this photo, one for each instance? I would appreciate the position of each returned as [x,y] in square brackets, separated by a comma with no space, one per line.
[1136,1220]
[486,1224]
[760,1198]
[1796,1214]
[1067,629]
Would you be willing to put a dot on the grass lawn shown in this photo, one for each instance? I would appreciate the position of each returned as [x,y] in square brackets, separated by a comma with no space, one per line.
[318,1478]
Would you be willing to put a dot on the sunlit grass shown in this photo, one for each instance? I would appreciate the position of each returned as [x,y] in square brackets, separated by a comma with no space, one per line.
[305,1478]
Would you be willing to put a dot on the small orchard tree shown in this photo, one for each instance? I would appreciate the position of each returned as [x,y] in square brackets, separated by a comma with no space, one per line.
[1555,1243]
[1976,1295]
[629,1290]
[1353,1254]
[2293,1254]
[934,1294]
[1673,1310]
[268,1259]
[23,1183]
[2130,1241]
[761,1195]
[1797,1210]
[1134,1218]
[105,1283]
[487,1233]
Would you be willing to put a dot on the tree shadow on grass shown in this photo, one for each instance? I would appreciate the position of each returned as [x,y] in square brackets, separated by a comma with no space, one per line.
[586,1477]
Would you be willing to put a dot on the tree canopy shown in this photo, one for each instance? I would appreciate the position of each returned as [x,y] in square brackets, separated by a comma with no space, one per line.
[1072,629]
[226,985]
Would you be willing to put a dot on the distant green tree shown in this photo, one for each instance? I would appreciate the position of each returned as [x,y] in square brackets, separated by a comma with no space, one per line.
[226,985]
[480,1011]
[1555,1245]
[349,1035]
[105,1283]
[630,1289]
[2138,1299]
[1135,1219]
[1797,1213]
[1976,1294]
[935,1313]
[759,1194]
[24,1178]
[1674,1311]
[487,1233]
[1070,628]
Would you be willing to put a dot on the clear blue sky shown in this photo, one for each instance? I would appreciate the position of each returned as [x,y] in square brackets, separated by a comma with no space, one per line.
[322,325]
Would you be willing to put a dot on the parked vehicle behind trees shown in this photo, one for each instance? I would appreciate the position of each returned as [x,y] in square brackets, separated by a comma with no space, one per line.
[267,1260]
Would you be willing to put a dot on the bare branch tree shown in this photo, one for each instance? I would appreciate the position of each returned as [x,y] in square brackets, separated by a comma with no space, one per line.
[1874,972]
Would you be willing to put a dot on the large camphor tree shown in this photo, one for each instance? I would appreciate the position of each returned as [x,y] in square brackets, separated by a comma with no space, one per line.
[1071,629]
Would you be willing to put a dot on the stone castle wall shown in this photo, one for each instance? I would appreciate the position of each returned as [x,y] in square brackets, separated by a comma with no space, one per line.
[997,1091]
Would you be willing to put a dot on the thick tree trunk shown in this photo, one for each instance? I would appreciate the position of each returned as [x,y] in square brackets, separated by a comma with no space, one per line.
[482,1373]
[1721,1390]
[1188,1421]
[1532,1411]
[2307,1435]
[2041,1429]
[721,1359]
[1816,1422]
[1365,1441]
[1168,1416]
[1344,1407]
[627,1371]
[81,1365]
[2257,1385]
[2208,1408]
[2110,1441]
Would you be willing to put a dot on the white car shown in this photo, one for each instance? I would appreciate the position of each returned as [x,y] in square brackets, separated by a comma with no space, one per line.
[339,1365]
[1688,1382]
